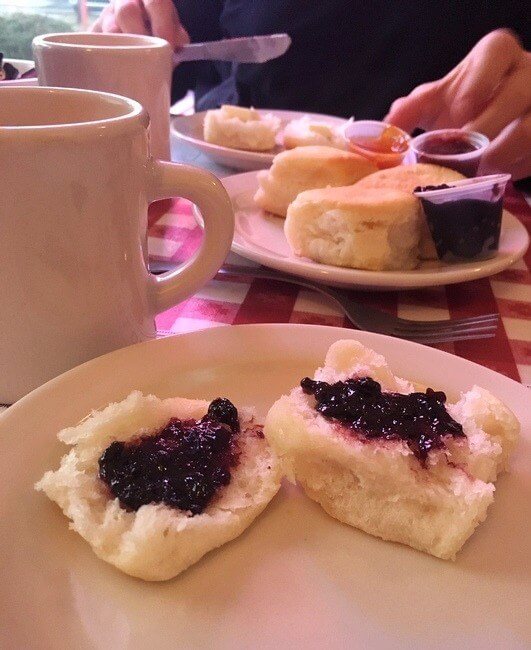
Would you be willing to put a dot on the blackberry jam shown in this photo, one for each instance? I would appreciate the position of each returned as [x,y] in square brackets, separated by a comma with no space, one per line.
[464,229]
[455,148]
[223,410]
[430,188]
[465,218]
[182,466]
[419,419]
[448,145]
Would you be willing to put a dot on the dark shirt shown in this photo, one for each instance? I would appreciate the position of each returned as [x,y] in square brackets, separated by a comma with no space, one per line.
[346,58]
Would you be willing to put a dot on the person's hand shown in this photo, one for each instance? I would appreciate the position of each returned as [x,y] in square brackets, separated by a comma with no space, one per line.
[489,92]
[147,17]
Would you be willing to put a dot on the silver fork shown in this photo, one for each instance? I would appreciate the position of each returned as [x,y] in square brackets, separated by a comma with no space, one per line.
[368,318]
[375,320]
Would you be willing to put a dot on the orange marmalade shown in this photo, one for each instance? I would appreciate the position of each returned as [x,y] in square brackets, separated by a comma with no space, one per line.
[386,150]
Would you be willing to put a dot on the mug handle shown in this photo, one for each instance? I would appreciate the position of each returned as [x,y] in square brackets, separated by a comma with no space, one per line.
[207,192]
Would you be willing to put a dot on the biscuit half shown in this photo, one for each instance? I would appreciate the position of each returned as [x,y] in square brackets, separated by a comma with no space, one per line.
[379,485]
[306,168]
[156,542]
[406,178]
[372,230]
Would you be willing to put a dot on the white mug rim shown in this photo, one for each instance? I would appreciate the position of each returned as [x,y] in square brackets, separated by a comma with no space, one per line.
[130,41]
[134,117]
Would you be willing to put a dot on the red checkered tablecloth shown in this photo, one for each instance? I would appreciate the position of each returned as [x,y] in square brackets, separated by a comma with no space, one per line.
[174,236]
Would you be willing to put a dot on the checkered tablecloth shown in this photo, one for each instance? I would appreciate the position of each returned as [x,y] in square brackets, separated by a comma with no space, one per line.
[174,236]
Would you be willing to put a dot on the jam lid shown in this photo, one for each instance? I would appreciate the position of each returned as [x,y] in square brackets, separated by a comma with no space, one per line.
[465,187]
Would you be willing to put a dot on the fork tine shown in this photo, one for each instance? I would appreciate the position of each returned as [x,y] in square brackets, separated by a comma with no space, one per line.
[448,334]
[448,338]
[467,329]
[441,324]
[370,319]
[445,326]
[428,336]
[460,320]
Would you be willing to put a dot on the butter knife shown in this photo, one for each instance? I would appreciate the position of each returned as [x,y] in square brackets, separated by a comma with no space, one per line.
[248,49]
[252,49]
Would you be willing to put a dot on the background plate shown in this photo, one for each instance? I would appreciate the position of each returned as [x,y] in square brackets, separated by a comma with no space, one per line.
[22,65]
[189,128]
[296,578]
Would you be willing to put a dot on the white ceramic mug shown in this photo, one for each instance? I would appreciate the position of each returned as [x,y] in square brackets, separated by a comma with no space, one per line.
[76,181]
[139,67]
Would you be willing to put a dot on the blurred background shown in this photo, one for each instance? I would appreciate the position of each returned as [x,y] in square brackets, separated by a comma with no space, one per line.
[21,20]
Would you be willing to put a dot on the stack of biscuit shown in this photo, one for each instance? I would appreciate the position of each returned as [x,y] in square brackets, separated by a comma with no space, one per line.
[341,210]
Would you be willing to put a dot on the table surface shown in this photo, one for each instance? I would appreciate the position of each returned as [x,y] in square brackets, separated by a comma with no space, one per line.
[174,235]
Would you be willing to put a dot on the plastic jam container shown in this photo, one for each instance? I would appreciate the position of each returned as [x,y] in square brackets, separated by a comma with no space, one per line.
[384,144]
[465,218]
[454,148]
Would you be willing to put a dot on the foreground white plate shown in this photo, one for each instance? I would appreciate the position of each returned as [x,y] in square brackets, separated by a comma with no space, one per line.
[259,236]
[189,128]
[295,579]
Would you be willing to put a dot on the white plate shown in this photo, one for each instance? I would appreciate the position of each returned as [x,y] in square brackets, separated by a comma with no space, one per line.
[259,236]
[22,65]
[296,578]
[189,128]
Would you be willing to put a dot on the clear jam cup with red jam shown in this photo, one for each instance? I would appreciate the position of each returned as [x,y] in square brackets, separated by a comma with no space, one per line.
[455,148]
[384,144]
[465,217]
